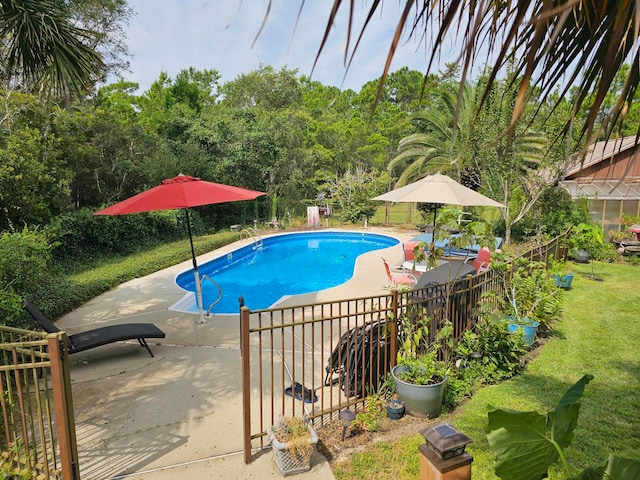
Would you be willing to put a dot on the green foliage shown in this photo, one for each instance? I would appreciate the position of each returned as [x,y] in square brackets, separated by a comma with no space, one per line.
[14,465]
[540,439]
[353,192]
[587,237]
[413,333]
[81,234]
[485,356]
[370,419]
[552,215]
[529,292]
[615,468]
[425,369]
[24,262]
[500,351]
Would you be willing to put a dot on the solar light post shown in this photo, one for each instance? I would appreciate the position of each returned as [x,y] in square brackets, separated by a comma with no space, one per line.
[443,455]
[346,416]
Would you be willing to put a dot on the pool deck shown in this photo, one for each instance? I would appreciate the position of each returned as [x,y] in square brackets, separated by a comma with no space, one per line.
[179,415]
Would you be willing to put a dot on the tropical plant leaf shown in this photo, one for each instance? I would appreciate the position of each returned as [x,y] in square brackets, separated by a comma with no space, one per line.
[575,392]
[615,468]
[520,443]
[526,444]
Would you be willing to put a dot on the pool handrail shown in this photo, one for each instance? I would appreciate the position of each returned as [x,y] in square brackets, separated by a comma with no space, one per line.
[215,284]
[252,233]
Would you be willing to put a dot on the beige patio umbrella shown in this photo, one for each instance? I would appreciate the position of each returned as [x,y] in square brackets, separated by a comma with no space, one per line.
[438,188]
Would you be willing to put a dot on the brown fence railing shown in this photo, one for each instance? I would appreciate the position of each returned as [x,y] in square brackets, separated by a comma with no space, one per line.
[315,360]
[38,431]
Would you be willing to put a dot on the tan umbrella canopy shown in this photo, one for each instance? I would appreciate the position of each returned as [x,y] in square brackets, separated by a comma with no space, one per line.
[438,188]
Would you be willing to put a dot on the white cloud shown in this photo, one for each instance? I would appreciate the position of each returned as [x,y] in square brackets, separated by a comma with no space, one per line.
[173,35]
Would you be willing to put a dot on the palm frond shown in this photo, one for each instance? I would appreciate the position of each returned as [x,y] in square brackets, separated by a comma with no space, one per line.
[43,47]
[570,42]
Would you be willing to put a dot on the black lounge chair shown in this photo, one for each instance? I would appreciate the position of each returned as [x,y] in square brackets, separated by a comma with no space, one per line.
[99,336]
[443,274]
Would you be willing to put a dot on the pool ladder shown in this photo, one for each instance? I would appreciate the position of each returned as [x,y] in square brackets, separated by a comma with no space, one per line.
[253,234]
[217,300]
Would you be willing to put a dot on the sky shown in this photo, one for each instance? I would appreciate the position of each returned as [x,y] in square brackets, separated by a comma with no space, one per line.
[172,35]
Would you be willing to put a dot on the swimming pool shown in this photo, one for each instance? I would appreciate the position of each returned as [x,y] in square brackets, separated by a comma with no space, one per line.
[286,264]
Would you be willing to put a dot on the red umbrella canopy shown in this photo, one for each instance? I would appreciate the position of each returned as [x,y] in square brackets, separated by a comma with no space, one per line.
[182,191]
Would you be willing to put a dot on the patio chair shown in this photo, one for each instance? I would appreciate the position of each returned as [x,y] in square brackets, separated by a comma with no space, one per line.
[99,336]
[403,279]
[482,260]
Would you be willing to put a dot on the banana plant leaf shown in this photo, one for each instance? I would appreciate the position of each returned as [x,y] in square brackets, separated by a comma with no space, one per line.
[526,444]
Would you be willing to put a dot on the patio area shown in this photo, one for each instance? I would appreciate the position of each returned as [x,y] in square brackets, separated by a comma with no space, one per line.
[177,415]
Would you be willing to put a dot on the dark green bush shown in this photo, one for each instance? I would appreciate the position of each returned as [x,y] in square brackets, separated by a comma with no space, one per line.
[24,262]
[82,234]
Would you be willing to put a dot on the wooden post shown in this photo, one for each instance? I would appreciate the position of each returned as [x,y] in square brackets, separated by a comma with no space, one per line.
[246,383]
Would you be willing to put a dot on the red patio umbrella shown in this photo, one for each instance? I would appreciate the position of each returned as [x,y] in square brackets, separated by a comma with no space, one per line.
[185,192]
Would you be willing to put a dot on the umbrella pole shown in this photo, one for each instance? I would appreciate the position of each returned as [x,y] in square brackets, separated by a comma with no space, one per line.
[195,271]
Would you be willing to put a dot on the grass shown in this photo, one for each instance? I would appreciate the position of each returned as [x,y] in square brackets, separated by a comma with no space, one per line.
[599,334]
[78,282]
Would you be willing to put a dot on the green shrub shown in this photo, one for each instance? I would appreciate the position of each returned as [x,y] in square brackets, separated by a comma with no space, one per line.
[498,351]
[370,419]
[24,262]
[82,234]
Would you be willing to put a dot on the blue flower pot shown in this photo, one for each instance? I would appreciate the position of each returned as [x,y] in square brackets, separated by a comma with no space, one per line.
[528,331]
[564,281]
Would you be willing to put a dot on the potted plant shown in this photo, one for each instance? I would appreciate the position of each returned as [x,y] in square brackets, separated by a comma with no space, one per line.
[558,269]
[420,383]
[585,240]
[530,297]
[395,408]
[419,376]
[293,440]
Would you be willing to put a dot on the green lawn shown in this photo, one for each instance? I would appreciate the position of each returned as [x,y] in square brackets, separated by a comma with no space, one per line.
[599,334]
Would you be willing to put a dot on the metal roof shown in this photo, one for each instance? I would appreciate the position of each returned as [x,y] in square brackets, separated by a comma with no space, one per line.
[601,151]
[628,189]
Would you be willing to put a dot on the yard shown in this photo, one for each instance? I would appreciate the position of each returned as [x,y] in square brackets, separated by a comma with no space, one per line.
[599,334]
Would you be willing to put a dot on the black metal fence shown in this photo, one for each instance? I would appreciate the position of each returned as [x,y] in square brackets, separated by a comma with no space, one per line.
[315,360]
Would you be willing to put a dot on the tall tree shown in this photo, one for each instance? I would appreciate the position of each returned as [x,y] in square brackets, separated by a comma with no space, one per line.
[513,164]
[443,140]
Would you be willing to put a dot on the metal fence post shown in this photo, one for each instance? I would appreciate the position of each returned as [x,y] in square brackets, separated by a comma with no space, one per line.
[394,328]
[63,405]
[246,383]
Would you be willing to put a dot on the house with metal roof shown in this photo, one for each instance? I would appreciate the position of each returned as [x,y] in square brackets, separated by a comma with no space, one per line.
[609,179]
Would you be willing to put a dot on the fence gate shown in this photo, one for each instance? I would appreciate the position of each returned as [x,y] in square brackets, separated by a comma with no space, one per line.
[38,430]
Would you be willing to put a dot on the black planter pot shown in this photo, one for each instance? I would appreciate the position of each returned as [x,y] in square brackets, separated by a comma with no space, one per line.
[395,410]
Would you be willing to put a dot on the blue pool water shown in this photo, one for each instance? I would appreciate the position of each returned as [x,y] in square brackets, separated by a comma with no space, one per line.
[288,264]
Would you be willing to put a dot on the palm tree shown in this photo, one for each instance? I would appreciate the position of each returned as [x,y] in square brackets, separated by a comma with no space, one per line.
[569,42]
[443,141]
[41,48]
